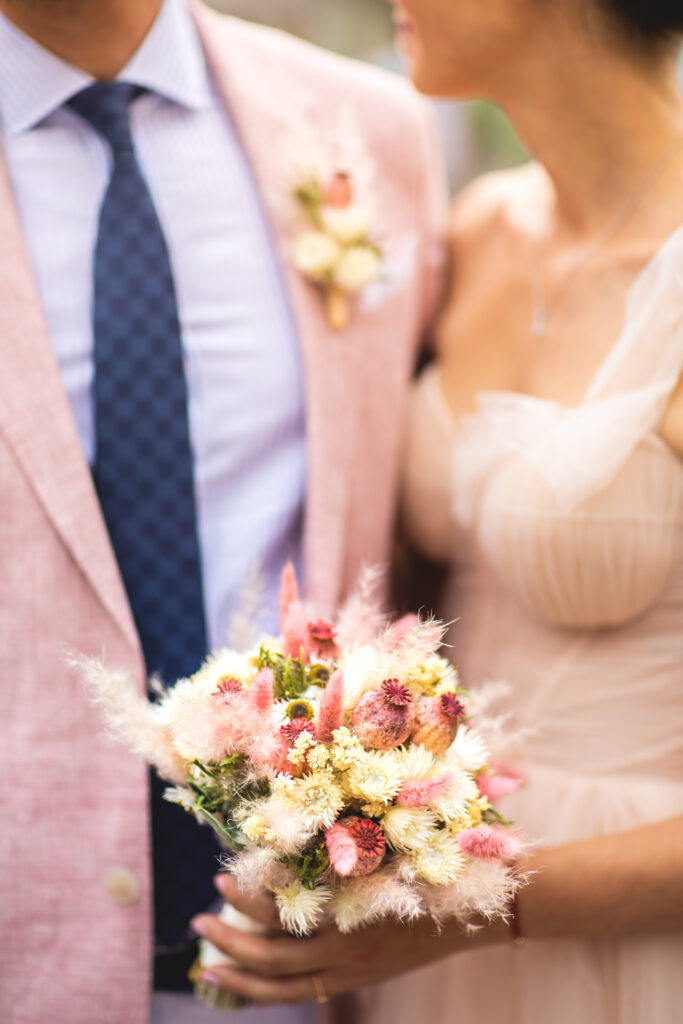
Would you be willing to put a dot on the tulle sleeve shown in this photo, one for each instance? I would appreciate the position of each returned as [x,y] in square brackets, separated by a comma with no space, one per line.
[578,451]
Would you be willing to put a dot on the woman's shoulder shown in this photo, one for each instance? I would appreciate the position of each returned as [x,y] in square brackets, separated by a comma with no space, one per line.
[510,201]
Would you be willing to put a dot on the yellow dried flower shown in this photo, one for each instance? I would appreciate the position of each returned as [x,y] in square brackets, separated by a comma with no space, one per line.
[345,750]
[254,829]
[317,797]
[302,745]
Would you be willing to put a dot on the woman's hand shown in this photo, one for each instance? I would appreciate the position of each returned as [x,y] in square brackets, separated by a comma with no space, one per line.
[277,968]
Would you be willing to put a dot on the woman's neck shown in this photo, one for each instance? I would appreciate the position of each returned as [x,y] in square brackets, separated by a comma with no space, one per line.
[599,124]
[97,36]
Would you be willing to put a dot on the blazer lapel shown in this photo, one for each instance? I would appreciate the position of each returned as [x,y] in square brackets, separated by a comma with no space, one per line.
[264,106]
[37,423]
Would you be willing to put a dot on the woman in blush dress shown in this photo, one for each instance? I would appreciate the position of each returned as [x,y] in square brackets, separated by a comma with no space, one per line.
[544,466]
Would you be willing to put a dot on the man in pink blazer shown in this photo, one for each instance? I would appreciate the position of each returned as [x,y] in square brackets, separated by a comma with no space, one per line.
[75,857]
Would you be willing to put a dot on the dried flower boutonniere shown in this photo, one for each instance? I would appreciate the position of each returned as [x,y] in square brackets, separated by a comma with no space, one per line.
[335,250]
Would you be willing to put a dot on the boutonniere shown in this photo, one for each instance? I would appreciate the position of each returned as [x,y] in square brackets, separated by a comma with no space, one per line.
[335,247]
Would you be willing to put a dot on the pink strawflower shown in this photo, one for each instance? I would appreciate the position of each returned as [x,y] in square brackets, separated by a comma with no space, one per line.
[356,846]
[422,792]
[330,708]
[384,716]
[292,730]
[289,592]
[322,640]
[228,688]
[489,842]
[339,192]
[289,734]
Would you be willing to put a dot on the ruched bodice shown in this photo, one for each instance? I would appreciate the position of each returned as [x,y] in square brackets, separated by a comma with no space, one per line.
[563,531]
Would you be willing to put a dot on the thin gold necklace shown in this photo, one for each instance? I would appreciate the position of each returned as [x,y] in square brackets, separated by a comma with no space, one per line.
[541,303]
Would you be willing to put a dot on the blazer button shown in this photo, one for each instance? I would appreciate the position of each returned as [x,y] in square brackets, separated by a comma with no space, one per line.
[122,885]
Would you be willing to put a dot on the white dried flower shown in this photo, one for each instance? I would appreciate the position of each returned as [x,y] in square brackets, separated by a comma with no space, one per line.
[347,224]
[416,761]
[408,828]
[365,667]
[433,671]
[257,866]
[468,750]
[225,664]
[461,792]
[301,909]
[317,798]
[440,860]
[287,830]
[357,268]
[315,254]
[352,905]
[376,777]
[181,796]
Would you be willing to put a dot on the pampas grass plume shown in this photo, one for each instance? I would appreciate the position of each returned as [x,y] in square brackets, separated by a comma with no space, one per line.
[489,842]
[422,792]
[331,708]
[129,717]
[341,848]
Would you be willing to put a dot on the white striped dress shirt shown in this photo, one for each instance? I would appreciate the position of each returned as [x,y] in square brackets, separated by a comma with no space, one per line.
[246,405]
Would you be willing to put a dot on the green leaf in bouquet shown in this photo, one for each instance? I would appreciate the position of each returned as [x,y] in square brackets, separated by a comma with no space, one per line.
[311,865]
[227,831]
[490,816]
[291,675]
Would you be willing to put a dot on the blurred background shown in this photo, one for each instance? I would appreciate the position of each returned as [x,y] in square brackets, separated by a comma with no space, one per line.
[476,136]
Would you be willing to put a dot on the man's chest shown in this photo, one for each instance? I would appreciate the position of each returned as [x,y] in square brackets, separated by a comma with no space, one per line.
[239,339]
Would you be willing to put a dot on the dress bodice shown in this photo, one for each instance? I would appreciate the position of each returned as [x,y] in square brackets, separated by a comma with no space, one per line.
[564,527]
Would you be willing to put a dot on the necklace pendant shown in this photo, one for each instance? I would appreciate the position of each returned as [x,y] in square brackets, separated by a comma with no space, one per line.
[539,321]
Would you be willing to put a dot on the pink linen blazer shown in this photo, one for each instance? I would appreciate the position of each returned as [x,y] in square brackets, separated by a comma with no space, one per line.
[75,923]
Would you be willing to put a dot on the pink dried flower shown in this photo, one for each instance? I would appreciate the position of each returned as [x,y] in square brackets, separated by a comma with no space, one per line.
[322,640]
[384,716]
[489,842]
[339,192]
[289,734]
[396,693]
[504,781]
[411,632]
[289,592]
[295,631]
[292,730]
[356,846]
[261,691]
[330,708]
[436,722]
[398,632]
[342,849]
[422,792]
[228,688]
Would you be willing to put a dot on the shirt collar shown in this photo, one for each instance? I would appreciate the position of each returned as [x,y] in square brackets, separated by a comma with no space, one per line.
[35,82]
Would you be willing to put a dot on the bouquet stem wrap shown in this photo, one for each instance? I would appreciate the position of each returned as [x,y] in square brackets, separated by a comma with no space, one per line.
[211,956]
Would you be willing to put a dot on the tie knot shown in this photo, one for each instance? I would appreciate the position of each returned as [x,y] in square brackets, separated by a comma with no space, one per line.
[105,106]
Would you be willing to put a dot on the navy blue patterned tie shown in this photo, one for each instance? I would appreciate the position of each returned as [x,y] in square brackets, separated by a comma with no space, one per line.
[144,471]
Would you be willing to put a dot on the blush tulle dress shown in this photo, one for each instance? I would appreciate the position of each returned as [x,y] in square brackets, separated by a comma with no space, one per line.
[564,527]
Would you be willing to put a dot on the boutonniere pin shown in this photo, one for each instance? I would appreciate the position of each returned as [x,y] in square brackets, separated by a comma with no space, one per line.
[335,247]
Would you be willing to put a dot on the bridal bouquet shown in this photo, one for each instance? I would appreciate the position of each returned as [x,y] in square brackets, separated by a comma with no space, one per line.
[337,763]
